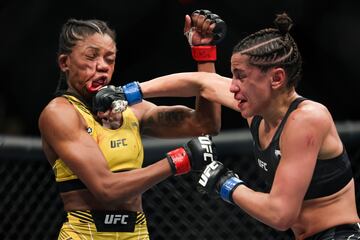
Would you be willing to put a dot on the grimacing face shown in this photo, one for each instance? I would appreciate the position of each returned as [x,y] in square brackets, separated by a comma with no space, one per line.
[251,87]
[90,65]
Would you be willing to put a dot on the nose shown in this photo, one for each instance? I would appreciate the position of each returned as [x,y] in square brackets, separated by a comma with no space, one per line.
[234,86]
[102,66]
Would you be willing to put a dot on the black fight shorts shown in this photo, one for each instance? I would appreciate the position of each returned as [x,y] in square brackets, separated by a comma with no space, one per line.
[341,232]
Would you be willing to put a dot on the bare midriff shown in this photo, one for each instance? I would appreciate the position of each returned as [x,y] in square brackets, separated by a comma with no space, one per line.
[84,200]
[322,213]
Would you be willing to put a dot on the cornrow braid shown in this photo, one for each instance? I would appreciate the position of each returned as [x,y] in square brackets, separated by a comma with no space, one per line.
[273,47]
[73,31]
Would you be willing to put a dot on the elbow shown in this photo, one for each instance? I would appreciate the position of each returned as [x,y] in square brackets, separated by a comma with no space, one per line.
[282,213]
[281,226]
[104,194]
[215,130]
[211,128]
[214,126]
[283,221]
[209,125]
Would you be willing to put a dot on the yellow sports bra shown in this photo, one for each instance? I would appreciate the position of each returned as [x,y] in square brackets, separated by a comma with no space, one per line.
[122,148]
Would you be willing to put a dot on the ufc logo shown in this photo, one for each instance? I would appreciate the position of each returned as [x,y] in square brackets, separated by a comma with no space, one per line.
[206,144]
[262,165]
[115,218]
[118,143]
[206,174]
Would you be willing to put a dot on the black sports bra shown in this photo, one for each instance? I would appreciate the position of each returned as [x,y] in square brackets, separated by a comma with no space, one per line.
[329,175]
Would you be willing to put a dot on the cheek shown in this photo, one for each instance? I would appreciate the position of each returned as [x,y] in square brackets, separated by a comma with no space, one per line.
[111,70]
[84,68]
[258,94]
[87,68]
[81,73]
[261,86]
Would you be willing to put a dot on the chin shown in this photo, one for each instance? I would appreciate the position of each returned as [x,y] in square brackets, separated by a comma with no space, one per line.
[115,125]
[246,114]
[86,94]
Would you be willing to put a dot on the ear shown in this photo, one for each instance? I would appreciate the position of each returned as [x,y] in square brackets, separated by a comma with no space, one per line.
[278,77]
[63,62]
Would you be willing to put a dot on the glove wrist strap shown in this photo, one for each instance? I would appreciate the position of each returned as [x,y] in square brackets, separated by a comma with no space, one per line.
[204,53]
[133,93]
[179,161]
[228,188]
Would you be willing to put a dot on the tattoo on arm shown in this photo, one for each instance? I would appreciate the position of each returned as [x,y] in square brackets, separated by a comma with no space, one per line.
[171,118]
[165,119]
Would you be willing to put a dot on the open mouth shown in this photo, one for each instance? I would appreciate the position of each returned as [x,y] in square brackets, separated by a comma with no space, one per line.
[241,102]
[96,84]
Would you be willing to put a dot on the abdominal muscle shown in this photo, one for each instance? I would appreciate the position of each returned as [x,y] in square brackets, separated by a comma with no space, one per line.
[84,200]
[322,213]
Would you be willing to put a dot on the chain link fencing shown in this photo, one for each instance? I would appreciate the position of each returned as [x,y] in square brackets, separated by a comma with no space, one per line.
[31,207]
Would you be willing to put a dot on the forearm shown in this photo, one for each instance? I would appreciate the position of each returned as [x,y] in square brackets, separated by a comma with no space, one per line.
[270,210]
[124,185]
[174,85]
[208,112]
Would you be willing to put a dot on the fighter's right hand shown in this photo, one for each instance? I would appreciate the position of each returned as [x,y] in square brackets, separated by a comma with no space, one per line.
[217,180]
[194,155]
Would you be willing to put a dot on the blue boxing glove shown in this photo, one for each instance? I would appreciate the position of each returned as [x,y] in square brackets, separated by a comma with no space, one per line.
[133,93]
[117,98]
[217,180]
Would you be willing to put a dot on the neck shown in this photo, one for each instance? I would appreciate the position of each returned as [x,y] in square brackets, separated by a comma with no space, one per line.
[85,98]
[278,108]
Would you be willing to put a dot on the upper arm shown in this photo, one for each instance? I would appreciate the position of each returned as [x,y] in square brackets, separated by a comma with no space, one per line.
[181,121]
[168,121]
[63,129]
[211,86]
[300,143]
[217,89]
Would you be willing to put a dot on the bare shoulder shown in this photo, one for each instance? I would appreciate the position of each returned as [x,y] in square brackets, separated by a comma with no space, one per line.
[58,114]
[312,114]
[55,109]
[313,109]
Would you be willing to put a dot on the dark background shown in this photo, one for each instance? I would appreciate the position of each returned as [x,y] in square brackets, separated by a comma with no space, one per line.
[151,43]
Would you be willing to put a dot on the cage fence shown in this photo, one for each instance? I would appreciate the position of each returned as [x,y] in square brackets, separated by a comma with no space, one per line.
[31,207]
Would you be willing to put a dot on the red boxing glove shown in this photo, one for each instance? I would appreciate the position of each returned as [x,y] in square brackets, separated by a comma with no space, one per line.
[204,53]
[194,155]
[179,161]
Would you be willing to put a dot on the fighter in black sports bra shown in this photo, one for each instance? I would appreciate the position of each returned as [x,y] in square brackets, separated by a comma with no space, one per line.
[329,176]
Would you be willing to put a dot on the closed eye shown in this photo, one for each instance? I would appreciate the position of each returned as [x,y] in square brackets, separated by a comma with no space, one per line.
[238,74]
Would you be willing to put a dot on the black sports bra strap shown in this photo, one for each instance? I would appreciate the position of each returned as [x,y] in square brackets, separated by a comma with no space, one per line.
[292,107]
[254,128]
[254,125]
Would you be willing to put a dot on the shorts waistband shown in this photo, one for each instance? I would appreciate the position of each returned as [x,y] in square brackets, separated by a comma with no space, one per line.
[342,227]
[108,221]
[350,226]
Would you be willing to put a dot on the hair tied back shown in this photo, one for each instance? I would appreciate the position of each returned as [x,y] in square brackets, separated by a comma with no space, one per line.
[283,23]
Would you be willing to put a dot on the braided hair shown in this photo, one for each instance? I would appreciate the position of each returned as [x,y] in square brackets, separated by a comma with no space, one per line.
[274,47]
[75,30]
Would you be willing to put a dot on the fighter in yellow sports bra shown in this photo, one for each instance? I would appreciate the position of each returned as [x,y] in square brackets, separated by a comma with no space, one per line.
[123,151]
[99,169]
[122,147]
